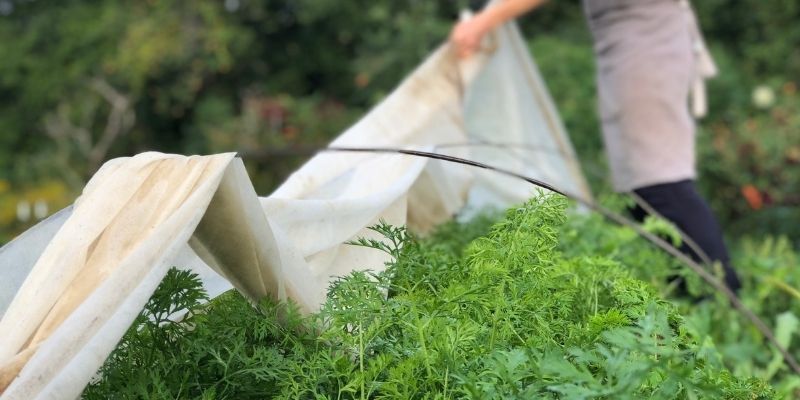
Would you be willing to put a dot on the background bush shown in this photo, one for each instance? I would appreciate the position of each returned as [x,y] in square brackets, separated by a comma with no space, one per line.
[82,81]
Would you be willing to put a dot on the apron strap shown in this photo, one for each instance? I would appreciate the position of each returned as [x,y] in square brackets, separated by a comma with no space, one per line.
[704,67]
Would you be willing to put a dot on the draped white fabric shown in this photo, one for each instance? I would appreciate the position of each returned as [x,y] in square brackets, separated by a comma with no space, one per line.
[78,279]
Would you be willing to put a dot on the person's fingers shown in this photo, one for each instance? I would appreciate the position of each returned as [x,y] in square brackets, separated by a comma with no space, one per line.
[466,50]
[466,38]
[458,32]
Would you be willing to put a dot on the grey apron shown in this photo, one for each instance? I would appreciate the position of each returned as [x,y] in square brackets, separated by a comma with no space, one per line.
[650,57]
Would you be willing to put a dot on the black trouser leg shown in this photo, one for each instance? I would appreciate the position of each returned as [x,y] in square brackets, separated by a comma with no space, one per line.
[680,203]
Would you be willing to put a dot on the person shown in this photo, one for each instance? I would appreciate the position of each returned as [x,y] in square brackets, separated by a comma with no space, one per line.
[649,58]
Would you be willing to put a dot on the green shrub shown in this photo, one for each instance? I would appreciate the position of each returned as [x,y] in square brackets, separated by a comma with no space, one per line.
[756,151]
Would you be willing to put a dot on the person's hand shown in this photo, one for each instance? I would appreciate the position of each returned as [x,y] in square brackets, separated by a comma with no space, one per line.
[467,35]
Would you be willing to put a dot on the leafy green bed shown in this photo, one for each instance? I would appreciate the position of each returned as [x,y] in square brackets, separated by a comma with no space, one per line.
[537,305]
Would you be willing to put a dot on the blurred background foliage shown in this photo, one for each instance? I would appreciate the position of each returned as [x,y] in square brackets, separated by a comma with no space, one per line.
[82,81]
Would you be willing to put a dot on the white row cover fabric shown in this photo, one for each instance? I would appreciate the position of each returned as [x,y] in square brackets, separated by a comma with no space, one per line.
[79,279]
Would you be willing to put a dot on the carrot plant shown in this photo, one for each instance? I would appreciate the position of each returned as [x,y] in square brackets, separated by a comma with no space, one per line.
[507,311]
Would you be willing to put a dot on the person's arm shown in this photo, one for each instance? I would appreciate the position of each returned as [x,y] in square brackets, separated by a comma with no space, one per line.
[466,35]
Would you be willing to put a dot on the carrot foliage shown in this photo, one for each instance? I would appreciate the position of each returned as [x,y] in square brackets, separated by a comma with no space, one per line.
[510,310]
